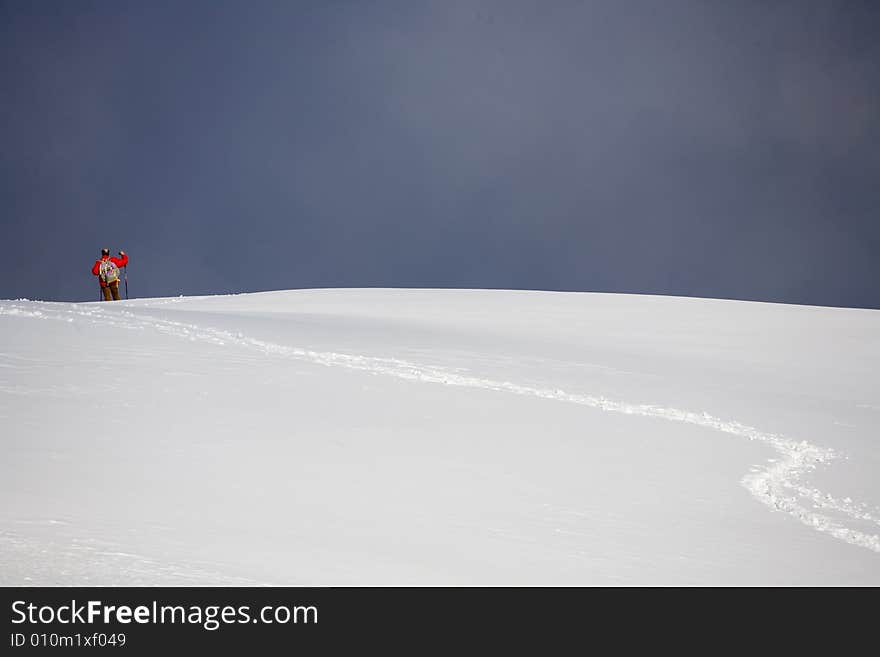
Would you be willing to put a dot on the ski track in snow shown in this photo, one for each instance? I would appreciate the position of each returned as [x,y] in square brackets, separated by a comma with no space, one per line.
[777,485]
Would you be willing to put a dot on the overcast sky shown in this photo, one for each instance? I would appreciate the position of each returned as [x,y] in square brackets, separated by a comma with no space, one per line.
[707,148]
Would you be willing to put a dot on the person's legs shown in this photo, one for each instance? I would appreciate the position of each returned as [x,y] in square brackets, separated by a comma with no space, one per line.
[114,287]
[106,291]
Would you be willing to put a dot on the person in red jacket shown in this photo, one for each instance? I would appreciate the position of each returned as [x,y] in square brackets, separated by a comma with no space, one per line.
[107,271]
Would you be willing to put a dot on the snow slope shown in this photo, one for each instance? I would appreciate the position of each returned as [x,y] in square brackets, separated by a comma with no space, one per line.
[437,437]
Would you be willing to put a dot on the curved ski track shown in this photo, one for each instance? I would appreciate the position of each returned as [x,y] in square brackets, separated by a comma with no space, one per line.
[777,485]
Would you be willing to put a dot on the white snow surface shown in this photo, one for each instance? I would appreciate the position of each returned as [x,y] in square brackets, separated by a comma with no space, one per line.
[439,437]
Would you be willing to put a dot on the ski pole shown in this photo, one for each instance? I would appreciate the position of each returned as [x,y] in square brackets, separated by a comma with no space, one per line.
[125,270]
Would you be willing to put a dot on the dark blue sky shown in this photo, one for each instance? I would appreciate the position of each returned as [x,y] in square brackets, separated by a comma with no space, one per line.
[709,148]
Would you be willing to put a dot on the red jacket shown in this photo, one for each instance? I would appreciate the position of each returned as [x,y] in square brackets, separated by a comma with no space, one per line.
[119,262]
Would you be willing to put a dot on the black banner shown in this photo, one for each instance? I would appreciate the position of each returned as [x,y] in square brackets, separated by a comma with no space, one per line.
[150,620]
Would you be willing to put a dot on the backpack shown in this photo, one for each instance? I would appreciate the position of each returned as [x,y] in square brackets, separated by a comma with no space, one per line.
[109,271]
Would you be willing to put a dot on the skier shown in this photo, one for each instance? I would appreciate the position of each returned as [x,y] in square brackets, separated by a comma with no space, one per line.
[107,271]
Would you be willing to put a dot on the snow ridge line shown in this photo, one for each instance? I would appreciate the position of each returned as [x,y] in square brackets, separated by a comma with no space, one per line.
[777,485]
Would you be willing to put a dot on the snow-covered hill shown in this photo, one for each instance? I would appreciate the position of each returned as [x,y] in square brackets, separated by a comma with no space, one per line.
[384,436]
